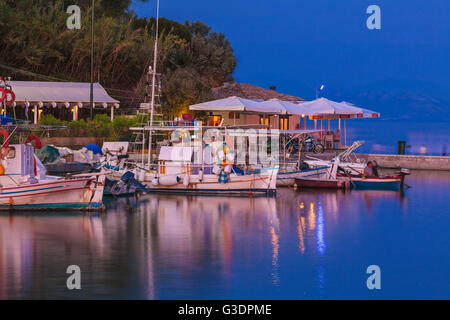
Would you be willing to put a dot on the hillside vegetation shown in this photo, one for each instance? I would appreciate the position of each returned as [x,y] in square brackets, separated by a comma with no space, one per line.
[35,39]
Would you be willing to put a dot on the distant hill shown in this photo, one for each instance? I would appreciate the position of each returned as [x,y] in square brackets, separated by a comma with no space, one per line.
[401,99]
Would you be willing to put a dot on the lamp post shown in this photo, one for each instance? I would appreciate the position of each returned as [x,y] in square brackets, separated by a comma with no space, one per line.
[91,97]
[318,90]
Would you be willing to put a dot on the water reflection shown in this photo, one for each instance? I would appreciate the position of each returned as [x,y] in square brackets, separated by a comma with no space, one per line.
[307,244]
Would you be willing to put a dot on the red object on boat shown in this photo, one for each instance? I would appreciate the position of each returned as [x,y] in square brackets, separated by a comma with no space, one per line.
[35,139]
[5,135]
[12,95]
[320,183]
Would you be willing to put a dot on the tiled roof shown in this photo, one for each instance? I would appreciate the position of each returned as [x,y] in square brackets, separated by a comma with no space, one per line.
[249,91]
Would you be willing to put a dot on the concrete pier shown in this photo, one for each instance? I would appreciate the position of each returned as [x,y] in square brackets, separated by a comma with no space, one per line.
[416,162]
[394,161]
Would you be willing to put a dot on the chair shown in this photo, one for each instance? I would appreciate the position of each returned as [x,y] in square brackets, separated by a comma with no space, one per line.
[329,142]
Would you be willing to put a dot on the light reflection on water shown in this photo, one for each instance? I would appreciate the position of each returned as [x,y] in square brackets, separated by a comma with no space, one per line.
[309,244]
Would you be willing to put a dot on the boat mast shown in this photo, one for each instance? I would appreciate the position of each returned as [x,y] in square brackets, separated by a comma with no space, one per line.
[152,105]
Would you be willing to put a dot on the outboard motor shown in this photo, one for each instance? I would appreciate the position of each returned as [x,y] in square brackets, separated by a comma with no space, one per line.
[129,179]
[403,173]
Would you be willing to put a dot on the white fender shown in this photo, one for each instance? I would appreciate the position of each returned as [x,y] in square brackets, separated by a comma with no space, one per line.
[155,181]
[169,180]
[186,180]
[200,175]
[141,176]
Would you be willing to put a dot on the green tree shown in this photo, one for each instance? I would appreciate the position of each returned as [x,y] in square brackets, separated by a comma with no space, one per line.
[192,57]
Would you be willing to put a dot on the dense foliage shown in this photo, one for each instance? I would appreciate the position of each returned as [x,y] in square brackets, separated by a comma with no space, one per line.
[192,57]
[101,127]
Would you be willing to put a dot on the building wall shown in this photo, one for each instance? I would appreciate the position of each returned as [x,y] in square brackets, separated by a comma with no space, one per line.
[254,119]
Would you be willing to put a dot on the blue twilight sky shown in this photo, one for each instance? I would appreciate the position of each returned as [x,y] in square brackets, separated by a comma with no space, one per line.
[297,44]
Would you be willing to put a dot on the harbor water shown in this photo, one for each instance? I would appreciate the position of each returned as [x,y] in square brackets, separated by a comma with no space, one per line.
[308,244]
[427,138]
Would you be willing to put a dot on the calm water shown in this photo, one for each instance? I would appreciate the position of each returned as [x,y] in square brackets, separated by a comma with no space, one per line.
[381,136]
[299,245]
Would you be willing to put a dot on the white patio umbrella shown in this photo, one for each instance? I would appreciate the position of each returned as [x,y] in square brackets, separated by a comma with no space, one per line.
[366,113]
[284,107]
[323,106]
[287,107]
[235,104]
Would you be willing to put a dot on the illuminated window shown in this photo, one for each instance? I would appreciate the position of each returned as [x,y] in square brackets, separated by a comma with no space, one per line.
[284,123]
[263,120]
[214,121]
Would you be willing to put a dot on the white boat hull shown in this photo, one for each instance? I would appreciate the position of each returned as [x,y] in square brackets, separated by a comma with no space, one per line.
[352,167]
[76,193]
[260,183]
[287,178]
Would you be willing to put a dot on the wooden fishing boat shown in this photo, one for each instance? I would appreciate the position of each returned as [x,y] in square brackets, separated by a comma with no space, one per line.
[347,160]
[360,182]
[320,183]
[175,173]
[377,183]
[372,183]
[24,184]
[287,177]
[329,180]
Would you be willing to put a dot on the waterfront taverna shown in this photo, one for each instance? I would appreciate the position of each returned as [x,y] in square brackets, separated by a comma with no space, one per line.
[277,113]
[62,99]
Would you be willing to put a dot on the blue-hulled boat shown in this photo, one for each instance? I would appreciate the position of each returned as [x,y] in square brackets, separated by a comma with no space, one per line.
[360,182]
[376,183]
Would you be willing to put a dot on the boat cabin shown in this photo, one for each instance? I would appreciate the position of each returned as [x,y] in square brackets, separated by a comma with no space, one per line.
[174,160]
[19,160]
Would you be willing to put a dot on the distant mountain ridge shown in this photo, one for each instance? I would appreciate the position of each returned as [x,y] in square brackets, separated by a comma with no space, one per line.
[401,99]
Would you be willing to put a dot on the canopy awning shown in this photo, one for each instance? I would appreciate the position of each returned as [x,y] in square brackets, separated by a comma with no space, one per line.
[317,109]
[60,93]
[236,104]
[324,108]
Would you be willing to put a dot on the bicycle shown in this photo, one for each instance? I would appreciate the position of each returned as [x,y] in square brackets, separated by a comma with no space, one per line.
[310,145]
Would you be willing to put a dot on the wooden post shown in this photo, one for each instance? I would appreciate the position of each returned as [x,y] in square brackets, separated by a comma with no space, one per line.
[112,113]
[75,113]
[345,132]
[36,110]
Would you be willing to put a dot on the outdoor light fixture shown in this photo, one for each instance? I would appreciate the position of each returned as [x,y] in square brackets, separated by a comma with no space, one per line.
[319,89]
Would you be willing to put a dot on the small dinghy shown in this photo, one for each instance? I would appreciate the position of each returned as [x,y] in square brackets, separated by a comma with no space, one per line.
[320,183]
[328,180]
[359,182]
